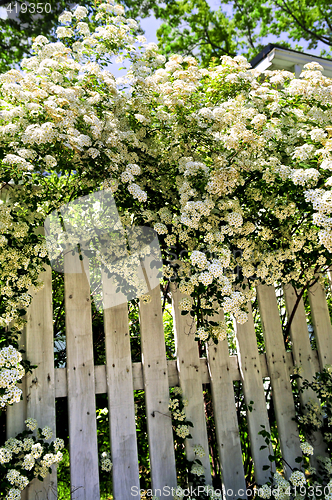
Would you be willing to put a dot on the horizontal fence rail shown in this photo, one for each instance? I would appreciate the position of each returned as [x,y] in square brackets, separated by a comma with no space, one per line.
[81,380]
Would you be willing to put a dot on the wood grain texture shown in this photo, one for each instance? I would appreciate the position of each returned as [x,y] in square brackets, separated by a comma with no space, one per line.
[251,377]
[120,392]
[225,417]
[304,358]
[281,387]
[83,448]
[40,383]
[159,423]
[190,378]
[321,323]
[173,376]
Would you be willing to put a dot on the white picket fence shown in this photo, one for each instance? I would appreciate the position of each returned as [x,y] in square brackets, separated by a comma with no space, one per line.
[81,380]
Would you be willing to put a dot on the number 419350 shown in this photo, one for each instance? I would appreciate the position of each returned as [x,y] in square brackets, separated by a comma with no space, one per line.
[38,8]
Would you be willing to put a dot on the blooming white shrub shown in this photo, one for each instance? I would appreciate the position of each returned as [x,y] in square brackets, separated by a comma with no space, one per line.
[26,457]
[11,372]
[234,165]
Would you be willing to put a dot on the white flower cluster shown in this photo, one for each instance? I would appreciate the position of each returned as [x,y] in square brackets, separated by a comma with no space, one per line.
[199,451]
[173,404]
[179,415]
[306,448]
[11,371]
[25,454]
[47,432]
[185,304]
[197,470]
[31,424]
[199,259]
[105,462]
[297,478]
[182,431]
[202,333]
[264,491]
[220,331]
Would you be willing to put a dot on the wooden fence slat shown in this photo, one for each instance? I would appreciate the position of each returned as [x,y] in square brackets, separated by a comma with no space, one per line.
[190,378]
[160,433]
[321,323]
[40,383]
[225,417]
[303,355]
[251,377]
[83,448]
[281,387]
[120,397]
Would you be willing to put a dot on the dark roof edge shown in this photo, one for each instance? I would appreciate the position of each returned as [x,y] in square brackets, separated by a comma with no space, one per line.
[270,46]
[263,53]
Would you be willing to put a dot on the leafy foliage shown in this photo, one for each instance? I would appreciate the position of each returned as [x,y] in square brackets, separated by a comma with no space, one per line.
[195,28]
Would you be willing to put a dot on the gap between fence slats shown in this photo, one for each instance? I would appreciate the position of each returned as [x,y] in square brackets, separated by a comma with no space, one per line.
[120,397]
[281,387]
[190,381]
[159,423]
[225,417]
[321,323]
[83,449]
[303,357]
[251,377]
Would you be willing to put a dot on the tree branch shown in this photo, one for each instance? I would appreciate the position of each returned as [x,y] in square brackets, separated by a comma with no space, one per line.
[215,46]
[286,9]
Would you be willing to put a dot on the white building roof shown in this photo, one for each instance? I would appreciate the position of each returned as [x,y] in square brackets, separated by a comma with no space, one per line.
[274,57]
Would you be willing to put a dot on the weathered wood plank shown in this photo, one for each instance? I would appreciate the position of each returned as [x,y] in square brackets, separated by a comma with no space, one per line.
[160,433]
[225,417]
[173,377]
[321,323]
[40,383]
[120,392]
[303,355]
[83,448]
[190,378]
[253,389]
[279,375]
